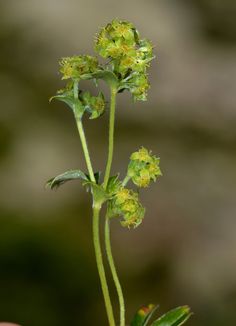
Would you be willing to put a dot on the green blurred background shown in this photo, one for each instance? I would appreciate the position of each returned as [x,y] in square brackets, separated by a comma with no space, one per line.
[184,252]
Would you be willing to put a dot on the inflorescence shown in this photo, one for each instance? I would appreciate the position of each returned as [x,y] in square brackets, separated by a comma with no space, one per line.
[127,59]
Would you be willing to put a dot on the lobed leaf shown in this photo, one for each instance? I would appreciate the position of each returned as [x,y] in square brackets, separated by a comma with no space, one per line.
[64,177]
[174,317]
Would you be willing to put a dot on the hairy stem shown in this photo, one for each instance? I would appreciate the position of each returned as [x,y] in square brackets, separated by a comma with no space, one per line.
[111,135]
[100,266]
[114,272]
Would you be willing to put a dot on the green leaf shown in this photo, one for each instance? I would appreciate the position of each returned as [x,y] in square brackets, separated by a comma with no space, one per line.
[64,177]
[73,103]
[175,317]
[68,99]
[143,315]
[108,76]
[99,193]
[149,316]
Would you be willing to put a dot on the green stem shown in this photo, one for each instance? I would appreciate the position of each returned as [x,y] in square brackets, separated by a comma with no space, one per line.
[82,136]
[107,231]
[125,181]
[100,266]
[114,272]
[111,135]
[85,149]
[96,211]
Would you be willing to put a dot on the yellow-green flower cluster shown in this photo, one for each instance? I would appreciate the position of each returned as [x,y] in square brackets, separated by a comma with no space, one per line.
[143,167]
[77,66]
[130,56]
[116,40]
[126,204]
[94,104]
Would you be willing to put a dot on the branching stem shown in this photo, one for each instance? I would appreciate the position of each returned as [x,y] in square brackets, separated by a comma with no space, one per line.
[96,212]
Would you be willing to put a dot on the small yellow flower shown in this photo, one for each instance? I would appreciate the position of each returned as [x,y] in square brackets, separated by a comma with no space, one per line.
[143,179]
[122,195]
[142,155]
[114,50]
[129,206]
[122,29]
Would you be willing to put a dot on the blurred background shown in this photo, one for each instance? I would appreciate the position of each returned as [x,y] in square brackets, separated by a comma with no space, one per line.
[184,252]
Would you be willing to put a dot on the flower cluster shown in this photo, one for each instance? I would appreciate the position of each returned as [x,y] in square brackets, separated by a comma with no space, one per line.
[77,66]
[143,167]
[130,56]
[116,40]
[126,204]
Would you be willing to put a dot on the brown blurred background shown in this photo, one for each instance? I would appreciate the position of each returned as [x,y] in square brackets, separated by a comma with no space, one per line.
[184,252]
